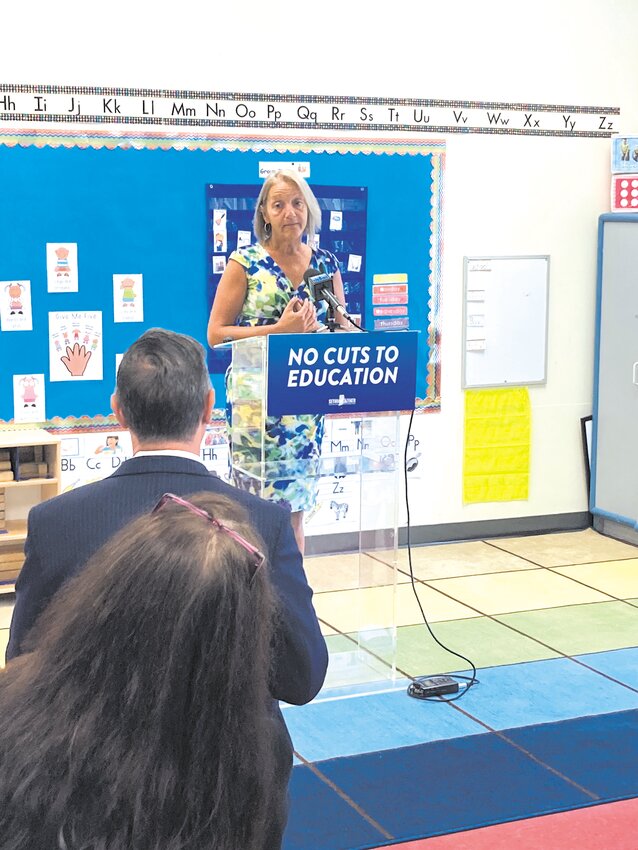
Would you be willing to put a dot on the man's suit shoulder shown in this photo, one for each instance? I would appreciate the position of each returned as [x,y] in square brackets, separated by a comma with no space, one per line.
[69,501]
[87,496]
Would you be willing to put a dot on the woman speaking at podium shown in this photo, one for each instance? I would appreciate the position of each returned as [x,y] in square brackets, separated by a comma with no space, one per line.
[263,291]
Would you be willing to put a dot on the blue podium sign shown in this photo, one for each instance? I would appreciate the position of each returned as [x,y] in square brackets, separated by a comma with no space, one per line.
[341,372]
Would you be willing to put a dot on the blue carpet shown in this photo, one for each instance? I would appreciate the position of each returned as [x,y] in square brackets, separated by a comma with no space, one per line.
[543,692]
[622,664]
[455,785]
[448,786]
[367,724]
[600,752]
[321,820]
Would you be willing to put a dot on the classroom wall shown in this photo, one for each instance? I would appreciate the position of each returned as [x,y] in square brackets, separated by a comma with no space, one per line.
[502,195]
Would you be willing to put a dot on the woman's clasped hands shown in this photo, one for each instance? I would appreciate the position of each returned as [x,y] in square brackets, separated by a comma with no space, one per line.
[299,316]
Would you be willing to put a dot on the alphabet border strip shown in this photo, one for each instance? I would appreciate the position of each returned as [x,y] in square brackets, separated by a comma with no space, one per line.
[86,105]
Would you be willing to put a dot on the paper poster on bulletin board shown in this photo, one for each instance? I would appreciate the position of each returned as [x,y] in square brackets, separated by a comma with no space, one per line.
[505,321]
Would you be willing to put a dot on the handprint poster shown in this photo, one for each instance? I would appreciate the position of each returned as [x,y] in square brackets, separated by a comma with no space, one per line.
[75,346]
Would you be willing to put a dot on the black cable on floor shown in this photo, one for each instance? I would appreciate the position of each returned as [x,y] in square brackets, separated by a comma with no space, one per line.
[414,687]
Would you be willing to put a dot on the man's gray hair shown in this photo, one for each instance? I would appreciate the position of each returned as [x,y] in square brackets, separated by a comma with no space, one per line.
[162,384]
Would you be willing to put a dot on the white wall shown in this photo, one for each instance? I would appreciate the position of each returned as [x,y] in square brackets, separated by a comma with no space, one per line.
[502,195]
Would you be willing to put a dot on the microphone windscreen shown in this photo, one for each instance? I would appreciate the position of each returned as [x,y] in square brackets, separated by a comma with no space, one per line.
[309,274]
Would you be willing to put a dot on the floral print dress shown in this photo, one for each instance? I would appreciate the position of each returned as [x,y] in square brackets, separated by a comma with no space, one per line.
[292,444]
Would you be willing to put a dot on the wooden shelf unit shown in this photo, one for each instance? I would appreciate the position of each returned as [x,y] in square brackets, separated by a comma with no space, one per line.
[18,496]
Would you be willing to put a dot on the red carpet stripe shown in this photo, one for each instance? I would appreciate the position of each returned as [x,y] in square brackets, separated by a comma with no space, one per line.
[604,826]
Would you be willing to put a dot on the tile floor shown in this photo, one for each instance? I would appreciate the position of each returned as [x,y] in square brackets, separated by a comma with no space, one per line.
[505,600]
[502,601]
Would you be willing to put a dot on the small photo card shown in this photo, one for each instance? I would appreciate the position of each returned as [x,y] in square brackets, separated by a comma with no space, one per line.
[624,154]
[62,267]
[15,305]
[28,398]
[336,220]
[220,241]
[244,238]
[219,219]
[354,263]
[219,265]
[128,298]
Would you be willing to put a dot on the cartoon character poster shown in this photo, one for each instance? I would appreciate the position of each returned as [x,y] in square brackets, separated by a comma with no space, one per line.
[75,346]
[15,305]
[128,298]
[28,398]
[62,267]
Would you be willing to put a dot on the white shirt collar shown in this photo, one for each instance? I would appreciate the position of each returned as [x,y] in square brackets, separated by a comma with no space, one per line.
[170,453]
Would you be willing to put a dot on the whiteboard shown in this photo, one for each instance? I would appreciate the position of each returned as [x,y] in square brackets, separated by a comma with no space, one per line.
[505,320]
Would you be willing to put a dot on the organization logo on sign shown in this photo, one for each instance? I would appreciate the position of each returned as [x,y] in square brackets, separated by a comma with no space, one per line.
[341,401]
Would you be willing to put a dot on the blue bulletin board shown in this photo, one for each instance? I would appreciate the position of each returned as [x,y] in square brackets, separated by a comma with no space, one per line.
[139,206]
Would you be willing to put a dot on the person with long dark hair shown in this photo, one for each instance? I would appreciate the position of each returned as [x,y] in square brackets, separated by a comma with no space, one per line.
[140,715]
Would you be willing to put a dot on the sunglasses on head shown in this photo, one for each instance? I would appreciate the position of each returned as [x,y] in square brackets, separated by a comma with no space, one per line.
[258,557]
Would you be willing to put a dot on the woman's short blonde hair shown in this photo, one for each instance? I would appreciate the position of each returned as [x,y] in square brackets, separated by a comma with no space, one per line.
[313,223]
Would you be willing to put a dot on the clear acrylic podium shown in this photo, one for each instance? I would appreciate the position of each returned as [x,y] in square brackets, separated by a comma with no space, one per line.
[359,484]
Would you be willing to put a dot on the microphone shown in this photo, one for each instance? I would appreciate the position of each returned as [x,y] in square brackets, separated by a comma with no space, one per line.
[321,285]
[316,278]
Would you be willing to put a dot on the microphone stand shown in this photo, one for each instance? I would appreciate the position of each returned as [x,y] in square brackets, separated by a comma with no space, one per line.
[331,319]
[322,290]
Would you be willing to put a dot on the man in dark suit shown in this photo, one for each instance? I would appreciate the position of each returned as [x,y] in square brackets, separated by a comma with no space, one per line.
[164,397]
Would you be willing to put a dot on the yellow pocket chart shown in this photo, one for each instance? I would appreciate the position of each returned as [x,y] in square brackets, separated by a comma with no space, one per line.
[497,445]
